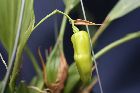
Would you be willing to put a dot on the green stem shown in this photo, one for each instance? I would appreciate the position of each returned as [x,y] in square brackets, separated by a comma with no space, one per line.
[33,60]
[53,13]
[46,17]
[125,39]
[61,34]
[100,31]
[63,26]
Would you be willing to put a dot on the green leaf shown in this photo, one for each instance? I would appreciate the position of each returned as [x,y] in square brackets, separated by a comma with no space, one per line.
[26,29]
[70,4]
[28,17]
[72,80]
[9,16]
[123,7]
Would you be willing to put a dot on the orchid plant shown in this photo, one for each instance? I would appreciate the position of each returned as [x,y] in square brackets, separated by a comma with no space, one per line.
[17,22]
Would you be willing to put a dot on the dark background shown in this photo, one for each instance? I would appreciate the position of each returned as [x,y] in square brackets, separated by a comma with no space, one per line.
[119,69]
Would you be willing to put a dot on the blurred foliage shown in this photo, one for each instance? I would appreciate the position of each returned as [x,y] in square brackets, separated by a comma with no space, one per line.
[70,4]
[9,16]
[72,80]
[122,8]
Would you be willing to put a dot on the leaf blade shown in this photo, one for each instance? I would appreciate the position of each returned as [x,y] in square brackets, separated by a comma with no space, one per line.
[9,16]
[70,4]
[122,8]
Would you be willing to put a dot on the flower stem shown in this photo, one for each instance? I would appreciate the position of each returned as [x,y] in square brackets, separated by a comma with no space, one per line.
[63,26]
[53,13]
[46,17]
[61,34]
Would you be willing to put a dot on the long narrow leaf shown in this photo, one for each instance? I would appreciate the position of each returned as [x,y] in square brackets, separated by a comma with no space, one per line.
[70,4]
[25,29]
[9,16]
[123,7]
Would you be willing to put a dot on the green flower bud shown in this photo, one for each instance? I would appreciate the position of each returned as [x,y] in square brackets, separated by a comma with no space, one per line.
[82,55]
[56,71]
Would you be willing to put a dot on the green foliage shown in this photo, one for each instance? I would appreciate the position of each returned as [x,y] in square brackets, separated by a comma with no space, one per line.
[26,29]
[123,7]
[72,80]
[70,4]
[9,16]
[118,42]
